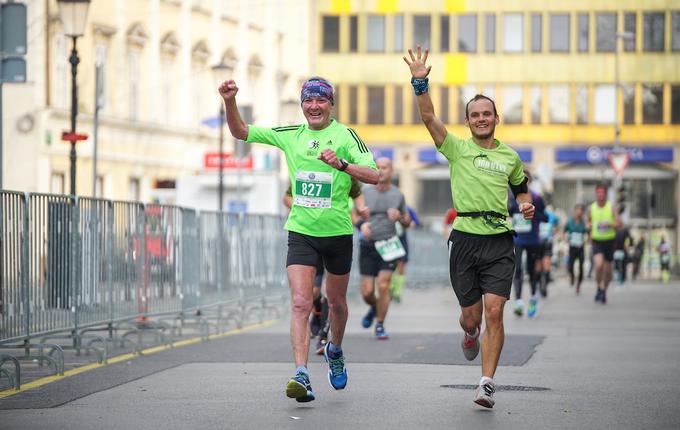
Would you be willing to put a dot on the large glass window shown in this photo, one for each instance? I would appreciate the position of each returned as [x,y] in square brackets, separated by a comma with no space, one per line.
[467,33]
[675,104]
[398,41]
[513,32]
[331,34]
[604,104]
[353,33]
[536,32]
[444,102]
[652,104]
[581,104]
[444,45]
[535,104]
[376,105]
[465,94]
[629,26]
[558,104]
[675,31]
[512,104]
[398,105]
[583,32]
[653,24]
[421,30]
[605,32]
[490,33]
[628,104]
[352,100]
[375,33]
[559,32]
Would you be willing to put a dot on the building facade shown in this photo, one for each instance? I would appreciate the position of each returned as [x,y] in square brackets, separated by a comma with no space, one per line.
[550,66]
[158,95]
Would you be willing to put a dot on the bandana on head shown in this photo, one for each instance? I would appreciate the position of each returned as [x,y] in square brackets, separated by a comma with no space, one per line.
[316,88]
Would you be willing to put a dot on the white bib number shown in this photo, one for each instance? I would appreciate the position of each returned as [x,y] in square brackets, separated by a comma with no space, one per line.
[520,224]
[576,239]
[313,189]
[390,249]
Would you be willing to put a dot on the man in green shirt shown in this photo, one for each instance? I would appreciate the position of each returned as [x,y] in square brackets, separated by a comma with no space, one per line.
[322,156]
[601,221]
[481,250]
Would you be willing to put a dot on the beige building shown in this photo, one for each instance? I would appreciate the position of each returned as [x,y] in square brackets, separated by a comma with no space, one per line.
[159,101]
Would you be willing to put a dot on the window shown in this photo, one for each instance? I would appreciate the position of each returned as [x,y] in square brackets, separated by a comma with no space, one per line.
[628,104]
[375,33]
[581,104]
[490,33]
[605,32]
[675,104]
[352,102]
[465,94]
[535,104]
[444,42]
[652,104]
[629,26]
[467,33]
[398,41]
[133,85]
[512,104]
[559,32]
[353,33]
[134,189]
[675,31]
[604,104]
[421,30]
[653,32]
[583,24]
[376,105]
[398,105]
[444,103]
[435,196]
[558,104]
[57,183]
[513,33]
[331,34]
[166,95]
[536,32]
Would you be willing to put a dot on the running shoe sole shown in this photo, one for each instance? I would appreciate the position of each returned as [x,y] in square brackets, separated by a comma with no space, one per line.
[482,401]
[297,391]
[470,353]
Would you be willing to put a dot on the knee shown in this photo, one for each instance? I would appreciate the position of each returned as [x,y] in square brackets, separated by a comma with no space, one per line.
[383,287]
[301,304]
[494,317]
[470,322]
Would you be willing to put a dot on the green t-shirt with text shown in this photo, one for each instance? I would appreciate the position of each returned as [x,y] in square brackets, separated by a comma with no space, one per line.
[479,181]
[320,192]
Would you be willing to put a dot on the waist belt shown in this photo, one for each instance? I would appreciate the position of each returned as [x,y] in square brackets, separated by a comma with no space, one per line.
[488,215]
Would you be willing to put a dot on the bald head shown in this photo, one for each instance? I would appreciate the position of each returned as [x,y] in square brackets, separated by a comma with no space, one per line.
[384,169]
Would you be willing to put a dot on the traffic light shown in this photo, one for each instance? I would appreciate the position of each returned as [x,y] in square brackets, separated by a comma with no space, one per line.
[621,198]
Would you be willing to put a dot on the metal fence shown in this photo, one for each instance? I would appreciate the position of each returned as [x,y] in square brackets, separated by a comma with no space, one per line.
[73,267]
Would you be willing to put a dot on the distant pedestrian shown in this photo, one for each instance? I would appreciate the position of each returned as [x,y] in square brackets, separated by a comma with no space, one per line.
[575,233]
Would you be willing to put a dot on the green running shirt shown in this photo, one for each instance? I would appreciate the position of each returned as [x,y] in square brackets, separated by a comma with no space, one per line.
[479,181]
[320,192]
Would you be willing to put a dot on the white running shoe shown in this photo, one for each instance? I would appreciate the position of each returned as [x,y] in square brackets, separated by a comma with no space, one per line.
[484,395]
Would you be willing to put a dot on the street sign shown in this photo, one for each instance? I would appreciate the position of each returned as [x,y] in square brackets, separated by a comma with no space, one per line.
[73,137]
[619,161]
[211,160]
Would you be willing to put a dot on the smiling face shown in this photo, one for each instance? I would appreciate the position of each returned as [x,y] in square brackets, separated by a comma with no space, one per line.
[601,195]
[317,110]
[481,119]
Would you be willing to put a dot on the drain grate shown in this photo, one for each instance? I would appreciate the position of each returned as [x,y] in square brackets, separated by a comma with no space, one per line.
[498,387]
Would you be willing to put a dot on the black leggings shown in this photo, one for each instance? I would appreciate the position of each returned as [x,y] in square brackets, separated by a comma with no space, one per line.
[534,278]
[576,253]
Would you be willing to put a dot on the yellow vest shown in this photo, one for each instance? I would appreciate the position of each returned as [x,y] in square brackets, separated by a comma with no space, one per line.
[602,222]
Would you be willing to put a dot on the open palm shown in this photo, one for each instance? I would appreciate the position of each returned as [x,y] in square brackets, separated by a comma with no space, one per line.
[417,63]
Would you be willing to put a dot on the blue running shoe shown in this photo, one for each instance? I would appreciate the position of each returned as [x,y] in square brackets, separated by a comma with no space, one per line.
[380,332]
[532,308]
[299,388]
[368,318]
[337,374]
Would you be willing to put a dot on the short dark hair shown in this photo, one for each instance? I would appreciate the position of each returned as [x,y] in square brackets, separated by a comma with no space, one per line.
[601,185]
[579,205]
[477,98]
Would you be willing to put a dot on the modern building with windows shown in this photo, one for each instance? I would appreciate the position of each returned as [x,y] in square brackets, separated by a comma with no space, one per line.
[551,67]
[158,97]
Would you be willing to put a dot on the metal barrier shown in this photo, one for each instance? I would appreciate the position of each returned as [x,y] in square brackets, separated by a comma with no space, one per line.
[74,267]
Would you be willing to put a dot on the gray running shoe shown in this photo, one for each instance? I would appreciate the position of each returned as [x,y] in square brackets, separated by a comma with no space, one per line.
[470,346]
[484,395]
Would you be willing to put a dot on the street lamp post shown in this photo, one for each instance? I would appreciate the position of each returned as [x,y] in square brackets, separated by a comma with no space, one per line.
[73,15]
[220,71]
[623,35]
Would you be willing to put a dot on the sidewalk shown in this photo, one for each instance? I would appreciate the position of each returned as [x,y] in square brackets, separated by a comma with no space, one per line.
[593,366]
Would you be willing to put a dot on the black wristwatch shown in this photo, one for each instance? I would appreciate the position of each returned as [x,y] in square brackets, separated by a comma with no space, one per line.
[344,165]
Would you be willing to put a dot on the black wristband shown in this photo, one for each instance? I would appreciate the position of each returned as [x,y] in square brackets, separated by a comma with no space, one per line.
[344,165]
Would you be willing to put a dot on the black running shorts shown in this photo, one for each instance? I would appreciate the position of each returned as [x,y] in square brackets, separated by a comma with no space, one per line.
[480,264]
[334,251]
[370,262]
[604,247]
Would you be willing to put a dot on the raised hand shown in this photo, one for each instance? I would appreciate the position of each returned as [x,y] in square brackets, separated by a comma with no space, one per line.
[417,64]
[228,89]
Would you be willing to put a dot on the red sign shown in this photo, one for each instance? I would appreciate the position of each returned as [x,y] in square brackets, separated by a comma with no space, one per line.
[72,137]
[619,161]
[211,160]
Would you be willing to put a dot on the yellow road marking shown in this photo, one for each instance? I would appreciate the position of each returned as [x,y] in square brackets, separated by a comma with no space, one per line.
[128,356]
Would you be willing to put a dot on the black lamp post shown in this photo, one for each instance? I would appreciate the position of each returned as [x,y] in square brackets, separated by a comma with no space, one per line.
[220,71]
[73,15]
